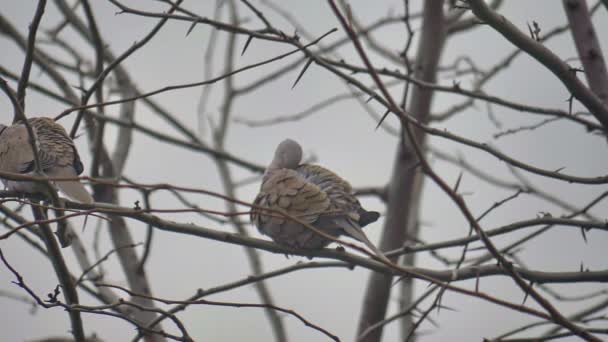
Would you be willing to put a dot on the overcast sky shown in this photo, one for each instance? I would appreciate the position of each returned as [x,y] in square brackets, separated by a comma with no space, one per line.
[341,137]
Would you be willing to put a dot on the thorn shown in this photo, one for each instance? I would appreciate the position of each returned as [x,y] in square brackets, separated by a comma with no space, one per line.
[398,280]
[192,26]
[246,45]
[81,88]
[536,30]
[530,30]
[570,100]
[449,308]
[530,284]
[382,118]
[439,299]
[84,224]
[584,234]
[430,320]
[302,72]
[458,182]
[534,33]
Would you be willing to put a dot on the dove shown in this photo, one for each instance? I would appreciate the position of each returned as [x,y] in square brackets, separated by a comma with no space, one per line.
[56,151]
[312,194]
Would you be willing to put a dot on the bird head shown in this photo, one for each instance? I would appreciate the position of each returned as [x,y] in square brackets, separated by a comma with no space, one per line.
[287,155]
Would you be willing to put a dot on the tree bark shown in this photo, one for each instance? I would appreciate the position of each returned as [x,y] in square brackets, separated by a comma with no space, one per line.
[405,187]
[588,47]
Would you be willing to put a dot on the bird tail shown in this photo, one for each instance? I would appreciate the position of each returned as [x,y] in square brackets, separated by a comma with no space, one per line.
[353,230]
[73,189]
[367,217]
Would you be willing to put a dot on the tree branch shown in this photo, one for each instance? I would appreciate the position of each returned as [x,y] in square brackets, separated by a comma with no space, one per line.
[547,58]
[588,47]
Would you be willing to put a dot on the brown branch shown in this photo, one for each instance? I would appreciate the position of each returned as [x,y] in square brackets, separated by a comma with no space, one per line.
[556,316]
[28,225]
[509,228]
[63,274]
[470,94]
[588,47]
[95,88]
[102,259]
[219,136]
[27,62]
[249,280]
[63,233]
[392,108]
[577,316]
[41,58]
[545,57]
[195,84]
[408,311]
[101,77]
[467,273]
[119,233]
[195,19]
[405,184]
[439,277]
[232,304]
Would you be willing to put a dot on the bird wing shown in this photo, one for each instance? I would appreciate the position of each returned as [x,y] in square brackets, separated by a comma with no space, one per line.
[59,157]
[314,195]
[56,148]
[15,150]
[339,191]
[286,190]
[345,210]
[56,152]
[324,178]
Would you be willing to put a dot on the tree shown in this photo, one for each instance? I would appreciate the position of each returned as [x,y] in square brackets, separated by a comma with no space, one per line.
[478,129]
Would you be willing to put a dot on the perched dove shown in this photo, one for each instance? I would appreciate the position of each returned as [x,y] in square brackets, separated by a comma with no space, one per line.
[311,194]
[56,151]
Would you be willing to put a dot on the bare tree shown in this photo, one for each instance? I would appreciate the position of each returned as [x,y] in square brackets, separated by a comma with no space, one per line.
[493,210]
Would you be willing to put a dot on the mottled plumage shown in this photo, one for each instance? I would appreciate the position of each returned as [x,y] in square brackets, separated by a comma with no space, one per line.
[312,194]
[57,155]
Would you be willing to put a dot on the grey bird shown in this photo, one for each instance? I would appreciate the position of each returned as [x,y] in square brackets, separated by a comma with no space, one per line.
[312,194]
[57,155]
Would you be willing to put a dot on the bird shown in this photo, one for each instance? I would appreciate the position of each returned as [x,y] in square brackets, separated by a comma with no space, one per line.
[312,194]
[57,155]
